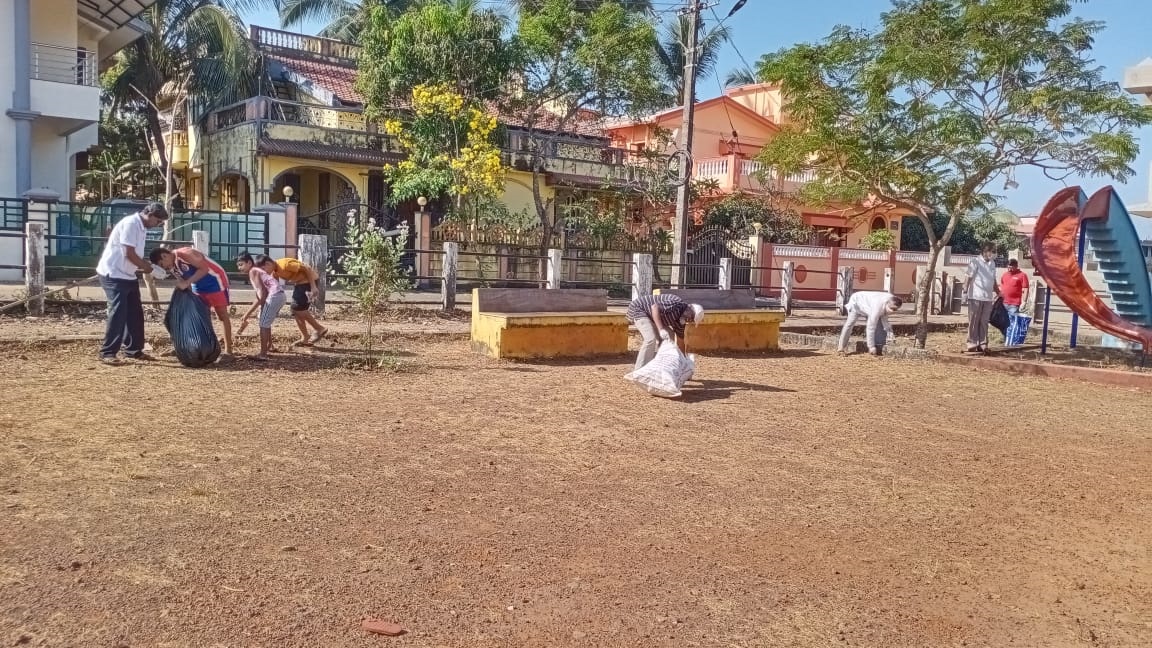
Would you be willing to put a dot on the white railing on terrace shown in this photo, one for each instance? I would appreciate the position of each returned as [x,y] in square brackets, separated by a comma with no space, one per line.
[961,259]
[301,43]
[802,251]
[758,173]
[912,257]
[64,65]
[863,255]
[712,168]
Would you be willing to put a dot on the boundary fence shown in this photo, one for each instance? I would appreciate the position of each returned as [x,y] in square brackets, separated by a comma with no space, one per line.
[638,275]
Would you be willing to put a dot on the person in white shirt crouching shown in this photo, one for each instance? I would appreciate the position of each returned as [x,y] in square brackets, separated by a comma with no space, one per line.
[874,306]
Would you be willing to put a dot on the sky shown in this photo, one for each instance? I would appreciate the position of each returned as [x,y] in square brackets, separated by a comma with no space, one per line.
[763,26]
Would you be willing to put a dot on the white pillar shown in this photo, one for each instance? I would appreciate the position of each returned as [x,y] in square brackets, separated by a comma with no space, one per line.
[448,280]
[641,275]
[555,261]
[201,241]
[34,267]
[787,280]
[725,274]
[314,254]
[843,286]
[887,279]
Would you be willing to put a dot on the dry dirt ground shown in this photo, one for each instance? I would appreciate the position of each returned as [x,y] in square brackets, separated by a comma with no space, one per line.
[791,500]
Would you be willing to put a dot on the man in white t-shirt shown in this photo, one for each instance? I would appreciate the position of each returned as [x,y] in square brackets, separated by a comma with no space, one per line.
[123,255]
[980,290]
[874,306]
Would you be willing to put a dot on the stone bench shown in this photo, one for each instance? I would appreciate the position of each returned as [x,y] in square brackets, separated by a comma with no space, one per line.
[527,323]
[731,321]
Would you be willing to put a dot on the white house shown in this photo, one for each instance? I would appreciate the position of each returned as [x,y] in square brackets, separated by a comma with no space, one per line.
[49,84]
[1138,81]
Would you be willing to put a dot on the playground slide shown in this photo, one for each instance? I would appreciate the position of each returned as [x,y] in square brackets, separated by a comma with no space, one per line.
[1054,247]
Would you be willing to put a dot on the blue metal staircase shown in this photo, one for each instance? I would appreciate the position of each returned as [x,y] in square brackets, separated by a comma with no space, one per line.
[1117,248]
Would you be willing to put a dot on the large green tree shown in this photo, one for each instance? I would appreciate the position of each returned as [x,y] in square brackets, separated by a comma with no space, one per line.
[193,48]
[932,109]
[578,65]
[456,43]
[968,236]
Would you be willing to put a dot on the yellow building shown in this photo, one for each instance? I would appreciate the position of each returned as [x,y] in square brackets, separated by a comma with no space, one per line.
[308,132]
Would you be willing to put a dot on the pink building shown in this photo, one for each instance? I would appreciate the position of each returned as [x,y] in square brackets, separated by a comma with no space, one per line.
[728,133]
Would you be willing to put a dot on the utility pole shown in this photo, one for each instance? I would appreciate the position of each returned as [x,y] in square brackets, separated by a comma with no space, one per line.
[683,197]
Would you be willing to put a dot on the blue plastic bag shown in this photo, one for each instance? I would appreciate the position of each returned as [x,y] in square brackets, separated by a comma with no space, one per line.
[1017,330]
[189,324]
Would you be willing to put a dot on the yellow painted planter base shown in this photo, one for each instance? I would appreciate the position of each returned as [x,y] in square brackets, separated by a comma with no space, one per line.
[524,336]
[735,330]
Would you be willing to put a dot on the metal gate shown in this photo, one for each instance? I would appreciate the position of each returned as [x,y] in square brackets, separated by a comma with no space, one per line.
[705,249]
[333,223]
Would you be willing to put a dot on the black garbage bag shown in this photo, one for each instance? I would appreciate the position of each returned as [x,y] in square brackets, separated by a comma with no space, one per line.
[189,324]
[999,319]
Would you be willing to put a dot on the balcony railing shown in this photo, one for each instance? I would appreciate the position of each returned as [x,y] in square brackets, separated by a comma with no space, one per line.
[325,47]
[733,173]
[569,149]
[64,65]
[268,109]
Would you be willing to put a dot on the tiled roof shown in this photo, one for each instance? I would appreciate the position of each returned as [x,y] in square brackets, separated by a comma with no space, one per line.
[325,152]
[339,80]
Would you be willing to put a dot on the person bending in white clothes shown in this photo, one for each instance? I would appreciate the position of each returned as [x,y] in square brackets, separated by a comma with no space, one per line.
[875,306]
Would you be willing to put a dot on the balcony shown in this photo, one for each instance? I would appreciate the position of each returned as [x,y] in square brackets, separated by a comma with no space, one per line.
[266,109]
[65,85]
[1138,78]
[178,148]
[274,40]
[572,159]
[733,173]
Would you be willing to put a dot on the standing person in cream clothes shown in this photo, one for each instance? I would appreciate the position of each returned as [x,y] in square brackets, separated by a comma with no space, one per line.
[980,290]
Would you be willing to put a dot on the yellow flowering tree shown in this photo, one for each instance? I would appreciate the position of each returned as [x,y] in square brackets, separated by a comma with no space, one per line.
[450,149]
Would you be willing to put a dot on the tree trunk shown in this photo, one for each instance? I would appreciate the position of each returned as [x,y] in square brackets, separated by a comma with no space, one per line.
[924,296]
[156,132]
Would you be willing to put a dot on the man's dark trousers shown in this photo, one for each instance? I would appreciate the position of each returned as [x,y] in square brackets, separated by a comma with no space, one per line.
[125,318]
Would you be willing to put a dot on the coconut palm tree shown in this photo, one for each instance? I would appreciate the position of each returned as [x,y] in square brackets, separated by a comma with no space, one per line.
[195,48]
[740,76]
[343,20]
[670,52]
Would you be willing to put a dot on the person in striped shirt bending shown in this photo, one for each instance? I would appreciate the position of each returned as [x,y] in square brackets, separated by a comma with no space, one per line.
[658,317]
[204,276]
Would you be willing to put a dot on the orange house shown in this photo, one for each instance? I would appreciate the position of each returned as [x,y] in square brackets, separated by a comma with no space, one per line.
[727,134]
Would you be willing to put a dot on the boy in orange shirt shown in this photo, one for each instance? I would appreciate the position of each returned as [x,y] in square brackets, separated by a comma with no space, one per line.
[303,280]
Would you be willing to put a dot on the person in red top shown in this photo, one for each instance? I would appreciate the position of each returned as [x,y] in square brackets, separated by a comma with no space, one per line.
[1014,288]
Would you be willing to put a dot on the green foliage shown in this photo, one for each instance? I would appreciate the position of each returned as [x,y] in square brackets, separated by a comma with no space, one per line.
[932,109]
[492,215]
[881,239]
[122,166]
[374,273]
[749,213]
[969,235]
[576,60]
[453,43]
[670,52]
[193,48]
[343,20]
